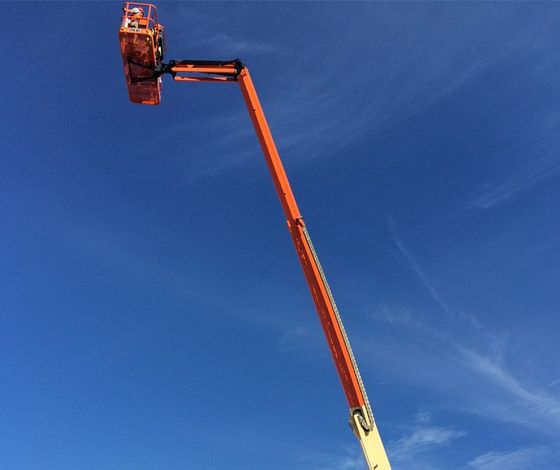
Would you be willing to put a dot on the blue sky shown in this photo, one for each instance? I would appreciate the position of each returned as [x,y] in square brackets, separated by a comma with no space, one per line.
[153,311]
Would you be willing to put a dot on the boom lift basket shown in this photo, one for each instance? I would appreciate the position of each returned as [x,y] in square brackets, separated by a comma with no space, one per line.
[142,48]
[141,38]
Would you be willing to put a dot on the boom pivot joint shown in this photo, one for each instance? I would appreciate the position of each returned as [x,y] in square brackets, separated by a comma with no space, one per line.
[359,415]
[192,70]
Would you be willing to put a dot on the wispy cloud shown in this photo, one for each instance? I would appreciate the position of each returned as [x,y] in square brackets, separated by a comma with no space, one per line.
[482,384]
[236,45]
[345,459]
[421,440]
[344,463]
[531,160]
[511,188]
[434,294]
[464,357]
[293,338]
[428,283]
[538,404]
[393,80]
[518,459]
[204,30]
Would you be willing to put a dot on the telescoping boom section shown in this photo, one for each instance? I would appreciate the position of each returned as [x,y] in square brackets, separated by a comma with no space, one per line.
[361,414]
